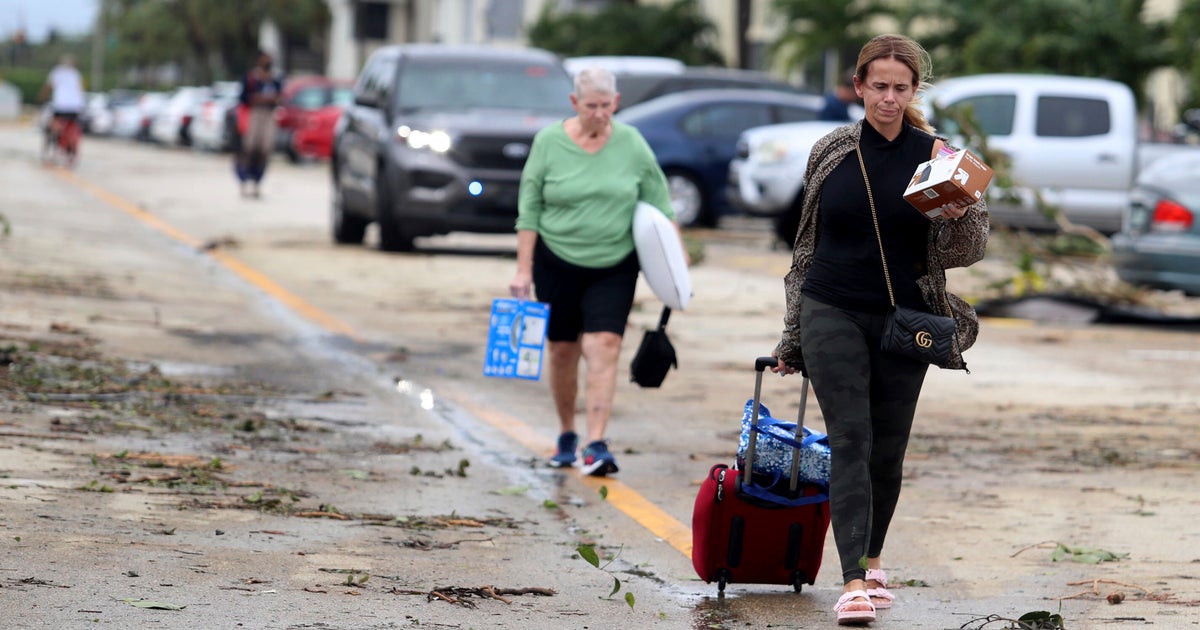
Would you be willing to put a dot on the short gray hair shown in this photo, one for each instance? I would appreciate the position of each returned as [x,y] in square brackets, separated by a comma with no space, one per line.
[595,80]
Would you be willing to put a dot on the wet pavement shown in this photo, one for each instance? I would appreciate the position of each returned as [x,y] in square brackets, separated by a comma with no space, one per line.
[151,253]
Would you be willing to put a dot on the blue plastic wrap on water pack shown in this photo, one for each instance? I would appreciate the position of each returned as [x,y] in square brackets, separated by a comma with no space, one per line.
[774,448]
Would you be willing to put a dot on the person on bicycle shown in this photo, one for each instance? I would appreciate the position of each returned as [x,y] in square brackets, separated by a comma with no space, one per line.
[64,88]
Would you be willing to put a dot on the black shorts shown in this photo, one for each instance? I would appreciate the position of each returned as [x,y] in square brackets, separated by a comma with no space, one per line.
[584,299]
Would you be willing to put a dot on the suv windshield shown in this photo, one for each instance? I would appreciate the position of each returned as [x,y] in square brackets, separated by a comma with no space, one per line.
[474,83]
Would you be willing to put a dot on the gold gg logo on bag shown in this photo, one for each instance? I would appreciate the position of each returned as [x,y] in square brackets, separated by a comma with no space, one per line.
[923,339]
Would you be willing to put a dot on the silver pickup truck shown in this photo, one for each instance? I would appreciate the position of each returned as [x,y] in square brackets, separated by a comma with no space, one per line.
[1072,139]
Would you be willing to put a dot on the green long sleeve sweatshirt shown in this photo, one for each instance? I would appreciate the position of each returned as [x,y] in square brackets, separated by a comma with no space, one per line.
[581,204]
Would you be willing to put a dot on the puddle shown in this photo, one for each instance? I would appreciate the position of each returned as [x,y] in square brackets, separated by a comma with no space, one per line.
[181,369]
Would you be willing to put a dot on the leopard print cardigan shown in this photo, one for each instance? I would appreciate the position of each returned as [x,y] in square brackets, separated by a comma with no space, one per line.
[952,243]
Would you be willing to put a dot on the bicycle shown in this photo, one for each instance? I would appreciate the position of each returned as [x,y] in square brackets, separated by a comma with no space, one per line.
[62,140]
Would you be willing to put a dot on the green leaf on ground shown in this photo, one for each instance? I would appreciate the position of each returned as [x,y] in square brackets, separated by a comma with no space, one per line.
[588,553]
[1041,620]
[616,587]
[549,504]
[604,492]
[1085,555]
[629,599]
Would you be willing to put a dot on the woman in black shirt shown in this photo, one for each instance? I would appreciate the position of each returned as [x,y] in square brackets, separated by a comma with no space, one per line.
[838,300]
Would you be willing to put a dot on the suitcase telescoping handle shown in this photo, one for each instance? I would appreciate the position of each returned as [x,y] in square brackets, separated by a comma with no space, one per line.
[760,365]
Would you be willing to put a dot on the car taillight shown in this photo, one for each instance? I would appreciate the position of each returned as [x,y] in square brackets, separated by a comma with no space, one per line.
[1171,216]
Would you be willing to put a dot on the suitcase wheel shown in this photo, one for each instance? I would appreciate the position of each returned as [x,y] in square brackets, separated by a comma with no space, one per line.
[722,580]
[798,581]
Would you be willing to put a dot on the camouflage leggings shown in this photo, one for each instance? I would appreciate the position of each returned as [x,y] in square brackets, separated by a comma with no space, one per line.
[868,399]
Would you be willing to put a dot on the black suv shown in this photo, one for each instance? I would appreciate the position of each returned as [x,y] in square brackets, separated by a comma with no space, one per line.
[436,139]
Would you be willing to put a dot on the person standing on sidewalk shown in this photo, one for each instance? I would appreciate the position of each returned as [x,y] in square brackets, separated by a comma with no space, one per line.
[838,299]
[580,185]
[260,94]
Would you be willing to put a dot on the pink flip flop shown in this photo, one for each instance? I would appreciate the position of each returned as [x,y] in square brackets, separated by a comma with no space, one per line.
[846,617]
[880,597]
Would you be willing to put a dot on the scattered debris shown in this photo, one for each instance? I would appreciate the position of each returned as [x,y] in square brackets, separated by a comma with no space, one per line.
[1083,555]
[320,514]
[145,603]
[461,595]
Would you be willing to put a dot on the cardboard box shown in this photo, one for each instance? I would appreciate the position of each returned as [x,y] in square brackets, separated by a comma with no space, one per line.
[955,179]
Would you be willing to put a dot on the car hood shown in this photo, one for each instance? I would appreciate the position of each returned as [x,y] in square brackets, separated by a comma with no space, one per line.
[492,121]
[806,133]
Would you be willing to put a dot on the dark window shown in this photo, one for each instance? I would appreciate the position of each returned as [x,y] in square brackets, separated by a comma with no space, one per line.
[311,98]
[1072,117]
[482,83]
[993,112]
[377,77]
[371,20]
[384,79]
[342,96]
[726,119]
[635,88]
[796,114]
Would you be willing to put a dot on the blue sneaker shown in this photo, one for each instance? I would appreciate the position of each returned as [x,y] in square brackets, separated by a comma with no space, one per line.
[565,457]
[597,461]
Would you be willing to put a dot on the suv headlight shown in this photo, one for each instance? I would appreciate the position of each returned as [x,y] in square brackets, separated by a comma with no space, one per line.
[770,152]
[437,141]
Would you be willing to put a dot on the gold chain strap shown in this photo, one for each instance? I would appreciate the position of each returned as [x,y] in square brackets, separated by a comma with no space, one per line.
[875,219]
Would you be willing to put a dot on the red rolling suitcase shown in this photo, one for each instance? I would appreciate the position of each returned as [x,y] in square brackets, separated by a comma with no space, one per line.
[745,533]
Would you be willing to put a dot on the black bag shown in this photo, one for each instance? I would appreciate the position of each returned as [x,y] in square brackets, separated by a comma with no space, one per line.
[655,356]
[919,335]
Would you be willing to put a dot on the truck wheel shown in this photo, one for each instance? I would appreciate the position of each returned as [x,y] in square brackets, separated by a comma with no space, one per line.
[687,199]
[393,237]
[348,229]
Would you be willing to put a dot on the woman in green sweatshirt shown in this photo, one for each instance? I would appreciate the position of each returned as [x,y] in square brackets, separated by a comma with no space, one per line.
[580,185]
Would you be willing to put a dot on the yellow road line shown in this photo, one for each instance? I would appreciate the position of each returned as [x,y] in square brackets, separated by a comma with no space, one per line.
[620,496]
[247,273]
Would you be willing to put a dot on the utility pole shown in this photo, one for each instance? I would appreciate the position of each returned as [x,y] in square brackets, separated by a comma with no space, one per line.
[98,48]
[743,27]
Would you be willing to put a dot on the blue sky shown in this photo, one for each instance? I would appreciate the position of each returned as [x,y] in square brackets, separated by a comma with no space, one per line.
[37,17]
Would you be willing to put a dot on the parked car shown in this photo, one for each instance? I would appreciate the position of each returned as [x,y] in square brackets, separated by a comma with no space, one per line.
[209,130]
[637,87]
[97,117]
[436,139]
[766,176]
[132,120]
[694,135]
[171,124]
[313,137]
[1072,141]
[307,113]
[1159,242]
[126,113]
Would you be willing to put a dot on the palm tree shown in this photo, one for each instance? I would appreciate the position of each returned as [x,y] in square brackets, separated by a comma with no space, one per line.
[823,28]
